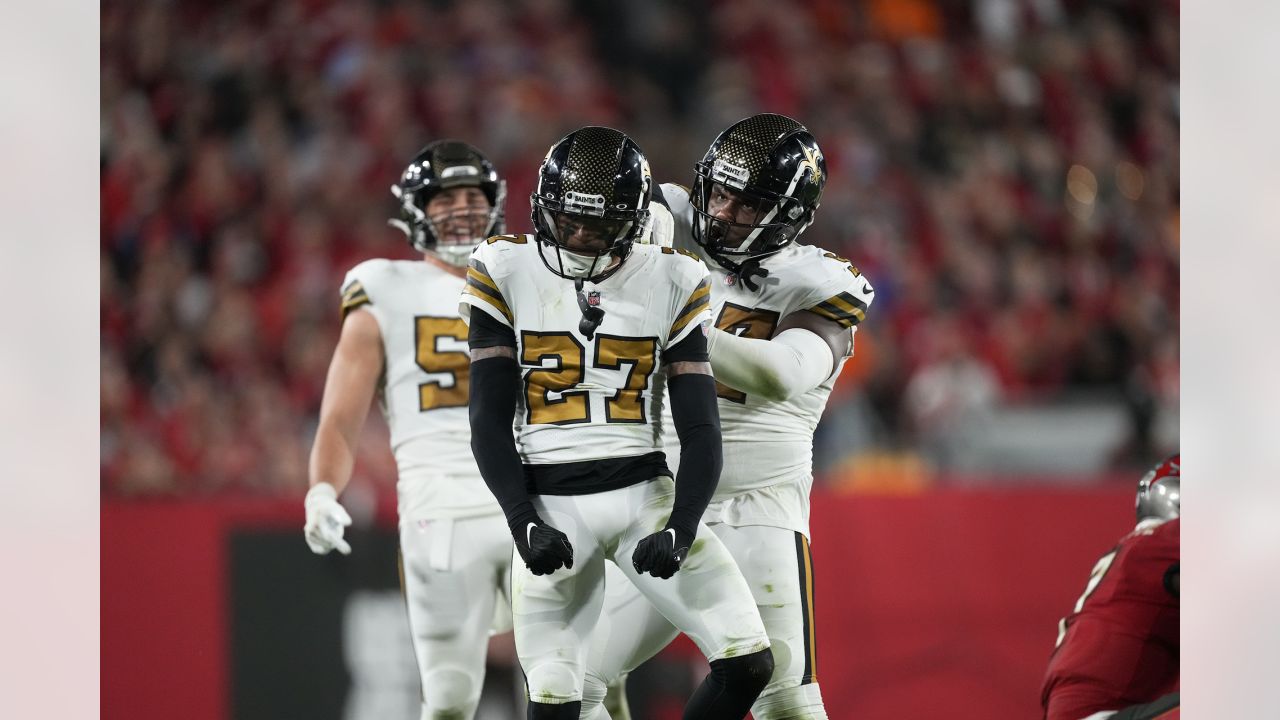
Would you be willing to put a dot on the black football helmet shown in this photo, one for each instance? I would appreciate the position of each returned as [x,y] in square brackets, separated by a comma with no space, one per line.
[772,165]
[591,203]
[439,166]
[1160,491]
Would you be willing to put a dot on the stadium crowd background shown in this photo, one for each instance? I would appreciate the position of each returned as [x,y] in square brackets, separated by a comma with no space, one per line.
[1005,172]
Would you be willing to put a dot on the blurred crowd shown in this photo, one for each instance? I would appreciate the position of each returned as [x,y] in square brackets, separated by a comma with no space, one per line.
[1004,171]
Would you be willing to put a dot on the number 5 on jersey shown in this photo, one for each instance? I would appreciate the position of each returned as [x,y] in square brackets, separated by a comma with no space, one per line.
[451,366]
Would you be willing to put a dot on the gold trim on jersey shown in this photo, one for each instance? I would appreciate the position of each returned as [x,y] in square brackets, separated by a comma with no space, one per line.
[844,309]
[353,296]
[680,251]
[698,301]
[482,286]
[515,239]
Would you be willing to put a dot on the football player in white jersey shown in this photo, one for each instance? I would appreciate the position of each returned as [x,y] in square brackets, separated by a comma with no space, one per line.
[578,333]
[403,340]
[785,315]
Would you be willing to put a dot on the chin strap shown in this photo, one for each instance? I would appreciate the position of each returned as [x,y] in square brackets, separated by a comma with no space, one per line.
[745,271]
[592,315]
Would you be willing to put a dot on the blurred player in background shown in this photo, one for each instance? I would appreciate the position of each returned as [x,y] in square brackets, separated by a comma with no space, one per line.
[1118,651]
[402,340]
[577,332]
[785,315]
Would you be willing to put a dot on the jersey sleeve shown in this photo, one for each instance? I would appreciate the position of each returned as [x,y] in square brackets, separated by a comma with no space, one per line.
[356,287]
[482,290]
[676,199]
[694,308]
[843,294]
[674,196]
[660,229]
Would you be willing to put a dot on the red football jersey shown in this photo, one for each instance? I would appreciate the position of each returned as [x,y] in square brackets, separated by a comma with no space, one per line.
[1119,647]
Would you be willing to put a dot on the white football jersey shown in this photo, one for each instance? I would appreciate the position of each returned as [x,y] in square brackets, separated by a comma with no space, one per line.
[768,446]
[424,387]
[588,399]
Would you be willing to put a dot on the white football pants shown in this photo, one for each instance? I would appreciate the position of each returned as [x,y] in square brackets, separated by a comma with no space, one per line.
[555,614]
[779,571]
[455,577]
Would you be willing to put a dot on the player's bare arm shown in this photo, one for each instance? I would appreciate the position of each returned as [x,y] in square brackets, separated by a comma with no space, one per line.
[493,352]
[839,338]
[348,391]
[688,368]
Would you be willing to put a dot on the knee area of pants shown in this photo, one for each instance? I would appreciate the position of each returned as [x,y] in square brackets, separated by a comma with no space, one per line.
[802,702]
[752,670]
[449,692]
[554,683]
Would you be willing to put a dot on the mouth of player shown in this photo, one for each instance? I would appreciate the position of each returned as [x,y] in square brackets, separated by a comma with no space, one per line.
[461,227]
[727,235]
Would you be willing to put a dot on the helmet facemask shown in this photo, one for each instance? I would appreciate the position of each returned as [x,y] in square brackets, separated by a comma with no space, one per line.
[591,203]
[586,246]
[741,224]
[590,206]
[756,189]
[452,233]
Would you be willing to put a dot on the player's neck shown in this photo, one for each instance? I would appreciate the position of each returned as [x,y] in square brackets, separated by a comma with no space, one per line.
[453,270]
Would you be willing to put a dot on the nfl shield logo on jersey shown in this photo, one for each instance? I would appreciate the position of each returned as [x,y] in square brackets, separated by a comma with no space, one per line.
[593,298]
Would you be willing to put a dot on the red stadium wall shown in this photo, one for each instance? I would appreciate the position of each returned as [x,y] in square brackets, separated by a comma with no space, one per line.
[939,604]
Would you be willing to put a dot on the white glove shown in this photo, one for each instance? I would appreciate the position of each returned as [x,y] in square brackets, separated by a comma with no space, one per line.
[326,520]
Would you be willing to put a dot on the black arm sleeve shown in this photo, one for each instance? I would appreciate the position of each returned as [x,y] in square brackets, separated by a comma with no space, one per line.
[485,332]
[697,420]
[495,387]
[691,349]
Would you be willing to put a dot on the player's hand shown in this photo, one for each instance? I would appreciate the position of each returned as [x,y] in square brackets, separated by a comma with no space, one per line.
[544,549]
[326,520]
[661,553]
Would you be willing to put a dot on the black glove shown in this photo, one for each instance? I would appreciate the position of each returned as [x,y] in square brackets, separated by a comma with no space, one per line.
[543,548]
[661,553]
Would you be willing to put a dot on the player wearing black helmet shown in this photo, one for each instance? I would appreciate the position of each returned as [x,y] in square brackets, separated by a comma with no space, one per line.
[402,339]
[450,198]
[577,333]
[785,315]
[756,189]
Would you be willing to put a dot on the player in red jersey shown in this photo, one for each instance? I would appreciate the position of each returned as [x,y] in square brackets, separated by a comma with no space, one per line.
[1117,652]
